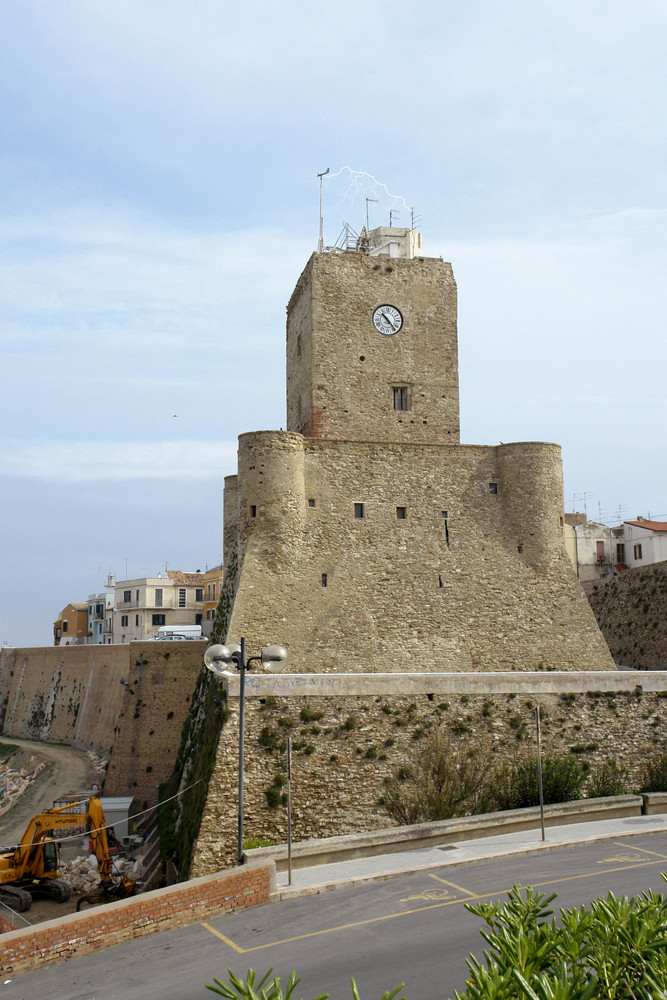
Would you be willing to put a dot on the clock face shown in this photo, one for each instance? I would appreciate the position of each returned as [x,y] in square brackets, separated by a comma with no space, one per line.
[387,319]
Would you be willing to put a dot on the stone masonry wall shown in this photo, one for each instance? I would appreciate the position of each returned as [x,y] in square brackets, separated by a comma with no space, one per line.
[474,576]
[341,370]
[74,695]
[631,611]
[345,747]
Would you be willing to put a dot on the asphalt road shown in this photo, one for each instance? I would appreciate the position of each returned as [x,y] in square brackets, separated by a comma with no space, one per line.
[413,929]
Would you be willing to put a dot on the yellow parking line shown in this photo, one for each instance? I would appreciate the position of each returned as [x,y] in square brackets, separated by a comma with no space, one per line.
[632,847]
[421,909]
[468,892]
[223,938]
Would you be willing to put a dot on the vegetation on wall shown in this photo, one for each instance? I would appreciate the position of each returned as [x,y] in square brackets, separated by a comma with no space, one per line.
[179,819]
[441,782]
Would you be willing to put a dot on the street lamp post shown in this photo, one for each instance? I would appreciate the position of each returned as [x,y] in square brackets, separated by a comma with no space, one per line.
[216,658]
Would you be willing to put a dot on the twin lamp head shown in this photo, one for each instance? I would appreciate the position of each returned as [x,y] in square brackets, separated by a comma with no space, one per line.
[218,658]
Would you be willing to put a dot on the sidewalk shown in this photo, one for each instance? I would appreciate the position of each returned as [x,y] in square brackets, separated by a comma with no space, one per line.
[325,878]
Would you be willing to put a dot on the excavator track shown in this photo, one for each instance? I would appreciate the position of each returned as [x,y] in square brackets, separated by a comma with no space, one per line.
[19,899]
[56,889]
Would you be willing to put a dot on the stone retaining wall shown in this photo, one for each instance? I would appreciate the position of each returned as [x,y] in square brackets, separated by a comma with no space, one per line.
[631,610]
[354,731]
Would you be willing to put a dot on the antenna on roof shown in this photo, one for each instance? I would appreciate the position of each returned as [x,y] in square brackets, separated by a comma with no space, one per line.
[320,242]
[392,212]
[368,200]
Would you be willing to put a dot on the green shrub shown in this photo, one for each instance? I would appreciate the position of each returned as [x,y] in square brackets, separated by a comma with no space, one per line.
[309,715]
[271,989]
[613,950]
[438,785]
[516,786]
[267,739]
[349,724]
[608,779]
[653,777]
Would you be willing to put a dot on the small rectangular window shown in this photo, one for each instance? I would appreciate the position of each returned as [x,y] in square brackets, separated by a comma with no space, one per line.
[65,625]
[124,619]
[401,513]
[400,397]
[158,597]
[493,487]
[620,552]
[311,503]
[214,589]
[199,594]
[253,510]
[638,551]
[324,579]
[136,619]
[444,514]
[358,510]
[127,596]
[182,597]
[136,595]
[159,619]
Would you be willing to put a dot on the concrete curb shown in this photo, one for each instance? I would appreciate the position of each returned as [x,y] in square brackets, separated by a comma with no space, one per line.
[516,850]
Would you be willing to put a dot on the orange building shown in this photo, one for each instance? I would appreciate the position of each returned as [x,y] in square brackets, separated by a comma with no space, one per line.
[212,587]
[71,628]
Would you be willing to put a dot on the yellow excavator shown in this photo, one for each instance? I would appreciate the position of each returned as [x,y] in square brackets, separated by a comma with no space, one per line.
[32,868]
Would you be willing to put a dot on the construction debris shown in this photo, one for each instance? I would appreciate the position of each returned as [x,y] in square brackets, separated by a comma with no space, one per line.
[82,876]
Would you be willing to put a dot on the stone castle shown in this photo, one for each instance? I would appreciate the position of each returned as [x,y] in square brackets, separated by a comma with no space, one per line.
[366,537]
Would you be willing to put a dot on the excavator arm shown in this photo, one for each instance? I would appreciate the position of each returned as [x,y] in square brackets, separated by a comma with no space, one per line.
[27,855]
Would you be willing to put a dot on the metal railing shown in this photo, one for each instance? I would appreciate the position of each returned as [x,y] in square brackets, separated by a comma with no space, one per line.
[12,915]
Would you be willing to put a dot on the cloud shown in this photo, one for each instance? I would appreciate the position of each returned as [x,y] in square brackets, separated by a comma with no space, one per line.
[89,461]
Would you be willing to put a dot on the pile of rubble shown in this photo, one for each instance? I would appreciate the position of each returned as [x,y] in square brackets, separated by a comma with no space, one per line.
[82,876]
[99,763]
[14,783]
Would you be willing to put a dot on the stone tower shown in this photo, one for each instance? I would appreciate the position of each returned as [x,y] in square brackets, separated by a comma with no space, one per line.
[365,537]
[372,350]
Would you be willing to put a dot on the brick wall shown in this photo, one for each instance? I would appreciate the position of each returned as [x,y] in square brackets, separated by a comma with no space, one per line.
[162,909]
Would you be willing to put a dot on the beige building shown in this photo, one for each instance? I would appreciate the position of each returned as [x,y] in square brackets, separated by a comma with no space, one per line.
[142,606]
[366,537]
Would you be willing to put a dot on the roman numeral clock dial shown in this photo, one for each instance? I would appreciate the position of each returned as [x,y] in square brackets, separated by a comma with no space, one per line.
[387,320]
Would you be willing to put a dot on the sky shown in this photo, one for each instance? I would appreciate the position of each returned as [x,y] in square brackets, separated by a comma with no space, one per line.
[158,171]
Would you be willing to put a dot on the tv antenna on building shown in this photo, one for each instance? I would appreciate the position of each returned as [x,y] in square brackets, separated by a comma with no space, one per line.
[368,201]
[585,497]
[392,212]
[414,219]
[320,242]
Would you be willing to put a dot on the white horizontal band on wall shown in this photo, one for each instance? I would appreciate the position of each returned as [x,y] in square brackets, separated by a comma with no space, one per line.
[490,683]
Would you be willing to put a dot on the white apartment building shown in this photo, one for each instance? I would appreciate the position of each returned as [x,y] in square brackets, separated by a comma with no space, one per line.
[645,542]
[142,606]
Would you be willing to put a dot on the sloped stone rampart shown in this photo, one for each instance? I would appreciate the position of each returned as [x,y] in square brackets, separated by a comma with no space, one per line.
[125,702]
[631,610]
[347,742]
[465,580]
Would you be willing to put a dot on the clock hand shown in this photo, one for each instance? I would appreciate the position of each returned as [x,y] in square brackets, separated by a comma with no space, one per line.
[388,320]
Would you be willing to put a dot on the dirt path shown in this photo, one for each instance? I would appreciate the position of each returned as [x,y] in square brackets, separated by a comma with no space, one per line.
[68,770]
